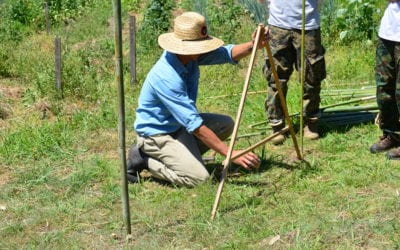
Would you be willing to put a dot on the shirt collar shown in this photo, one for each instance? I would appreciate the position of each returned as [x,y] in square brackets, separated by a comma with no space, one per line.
[173,60]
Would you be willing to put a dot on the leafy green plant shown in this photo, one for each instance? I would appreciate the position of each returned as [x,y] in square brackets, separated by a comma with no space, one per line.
[86,70]
[62,10]
[132,5]
[156,21]
[16,18]
[223,18]
[22,17]
[349,21]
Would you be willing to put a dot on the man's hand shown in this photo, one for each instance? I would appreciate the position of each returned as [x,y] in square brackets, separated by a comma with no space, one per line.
[247,161]
[208,137]
[264,36]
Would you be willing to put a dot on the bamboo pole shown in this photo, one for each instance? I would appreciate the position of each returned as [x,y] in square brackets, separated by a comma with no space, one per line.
[237,94]
[327,107]
[355,108]
[260,143]
[119,80]
[282,100]
[302,70]
[237,122]
[367,98]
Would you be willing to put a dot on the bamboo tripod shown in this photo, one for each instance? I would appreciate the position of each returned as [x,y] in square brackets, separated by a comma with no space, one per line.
[289,127]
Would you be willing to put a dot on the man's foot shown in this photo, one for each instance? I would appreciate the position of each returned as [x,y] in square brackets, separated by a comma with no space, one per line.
[310,130]
[393,154]
[137,162]
[279,139]
[386,141]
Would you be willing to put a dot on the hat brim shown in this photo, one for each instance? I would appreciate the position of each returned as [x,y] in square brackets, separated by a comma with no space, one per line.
[170,43]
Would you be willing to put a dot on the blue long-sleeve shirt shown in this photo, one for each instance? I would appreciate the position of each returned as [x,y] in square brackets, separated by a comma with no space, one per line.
[167,100]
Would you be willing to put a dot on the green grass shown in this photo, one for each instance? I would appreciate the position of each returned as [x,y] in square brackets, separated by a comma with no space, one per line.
[60,177]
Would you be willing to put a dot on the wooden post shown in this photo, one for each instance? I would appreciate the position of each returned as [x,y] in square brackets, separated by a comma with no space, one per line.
[58,65]
[46,13]
[132,46]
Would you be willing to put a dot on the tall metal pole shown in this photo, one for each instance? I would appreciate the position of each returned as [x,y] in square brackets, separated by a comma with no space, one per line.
[119,80]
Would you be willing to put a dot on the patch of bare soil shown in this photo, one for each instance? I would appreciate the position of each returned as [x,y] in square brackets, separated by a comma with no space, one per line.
[8,96]
[5,176]
[11,92]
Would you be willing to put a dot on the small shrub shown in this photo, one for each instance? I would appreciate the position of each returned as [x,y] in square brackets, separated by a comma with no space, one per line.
[156,21]
[224,19]
[349,21]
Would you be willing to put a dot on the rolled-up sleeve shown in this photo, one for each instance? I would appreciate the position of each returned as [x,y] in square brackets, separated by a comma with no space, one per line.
[219,56]
[174,97]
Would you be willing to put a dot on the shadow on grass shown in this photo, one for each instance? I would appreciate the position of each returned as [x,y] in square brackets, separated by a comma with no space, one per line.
[343,121]
[326,128]
[266,188]
[276,161]
[215,169]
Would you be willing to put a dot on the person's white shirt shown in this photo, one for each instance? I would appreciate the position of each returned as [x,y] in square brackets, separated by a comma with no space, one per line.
[288,14]
[390,23]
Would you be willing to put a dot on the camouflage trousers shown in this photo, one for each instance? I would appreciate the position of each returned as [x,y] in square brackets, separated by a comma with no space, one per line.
[387,76]
[286,52]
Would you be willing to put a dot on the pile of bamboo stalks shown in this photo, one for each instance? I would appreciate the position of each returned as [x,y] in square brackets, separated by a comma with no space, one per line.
[351,106]
[348,107]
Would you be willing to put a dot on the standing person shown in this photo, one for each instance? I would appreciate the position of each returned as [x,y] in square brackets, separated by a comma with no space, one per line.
[171,133]
[285,28]
[387,75]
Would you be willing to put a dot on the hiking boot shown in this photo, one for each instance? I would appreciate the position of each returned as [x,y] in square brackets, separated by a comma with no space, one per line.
[393,154]
[279,139]
[137,162]
[310,130]
[386,141]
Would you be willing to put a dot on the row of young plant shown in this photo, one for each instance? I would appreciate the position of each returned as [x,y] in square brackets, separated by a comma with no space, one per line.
[342,22]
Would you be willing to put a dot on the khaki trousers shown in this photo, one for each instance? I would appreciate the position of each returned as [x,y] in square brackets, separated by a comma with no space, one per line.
[176,157]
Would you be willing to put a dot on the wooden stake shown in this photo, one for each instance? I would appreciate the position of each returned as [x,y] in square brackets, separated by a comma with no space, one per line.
[58,65]
[282,100]
[132,47]
[237,122]
[260,143]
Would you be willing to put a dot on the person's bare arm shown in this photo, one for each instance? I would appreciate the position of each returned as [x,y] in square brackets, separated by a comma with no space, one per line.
[242,50]
[208,137]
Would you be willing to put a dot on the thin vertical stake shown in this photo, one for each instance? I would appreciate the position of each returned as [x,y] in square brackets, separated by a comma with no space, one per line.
[302,71]
[58,64]
[132,46]
[46,13]
[119,80]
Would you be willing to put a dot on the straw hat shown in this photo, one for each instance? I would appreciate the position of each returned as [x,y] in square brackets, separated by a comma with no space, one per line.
[190,36]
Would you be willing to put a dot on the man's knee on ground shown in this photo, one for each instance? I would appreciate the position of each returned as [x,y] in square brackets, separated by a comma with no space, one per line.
[194,180]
